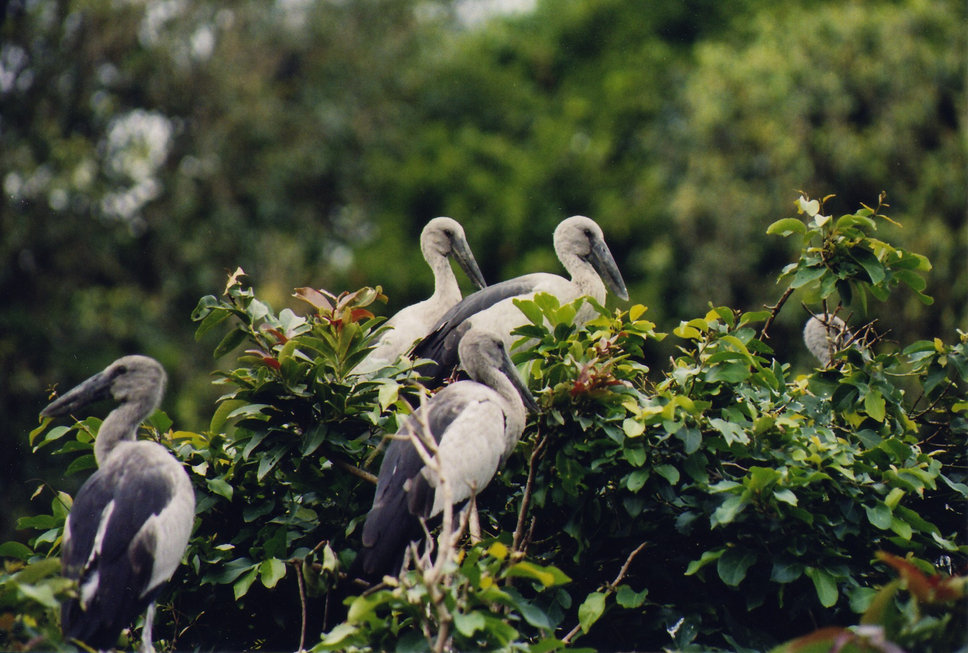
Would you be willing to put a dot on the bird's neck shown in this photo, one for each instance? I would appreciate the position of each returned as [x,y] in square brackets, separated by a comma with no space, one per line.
[445,282]
[583,275]
[120,424]
[515,414]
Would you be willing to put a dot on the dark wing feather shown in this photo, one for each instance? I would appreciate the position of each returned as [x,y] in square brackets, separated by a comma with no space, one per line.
[124,564]
[441,343]
[390,526]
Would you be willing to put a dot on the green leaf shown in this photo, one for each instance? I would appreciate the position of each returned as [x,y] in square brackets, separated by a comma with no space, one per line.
[733,565]
[271,572]
[825,585]
[728,510]
[241,586]
[787,226]
[628,598]
[691,439]
[15,550]
[81,464]
[874,405]
[232,339]
[873,267]
[879,515]
[468,624]
[668,472]
[704,559]
[220,487]
[805,275]
[637,479]
[590,610]
[220,416]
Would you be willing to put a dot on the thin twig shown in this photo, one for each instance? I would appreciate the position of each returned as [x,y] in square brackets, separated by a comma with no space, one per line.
[302,605]
[611,586]
[352,469]
[526,497]
[774,311]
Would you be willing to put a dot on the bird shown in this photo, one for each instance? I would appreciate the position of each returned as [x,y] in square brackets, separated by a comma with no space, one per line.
[475,423]
[441,238]
[824,335]
[129,525]
[580,246]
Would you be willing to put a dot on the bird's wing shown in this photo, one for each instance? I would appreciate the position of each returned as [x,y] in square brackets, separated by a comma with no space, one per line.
[468,454]
[389,526]
[440,344]
[110,552]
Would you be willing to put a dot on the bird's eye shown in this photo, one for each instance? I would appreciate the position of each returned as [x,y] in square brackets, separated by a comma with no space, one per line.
[120,369]
[588,233]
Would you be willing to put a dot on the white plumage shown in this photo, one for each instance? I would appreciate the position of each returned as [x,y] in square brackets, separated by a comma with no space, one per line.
[580,246]
[475,425]
[825,335]
[440,239]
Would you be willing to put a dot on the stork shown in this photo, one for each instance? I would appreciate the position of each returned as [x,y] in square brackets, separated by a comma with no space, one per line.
[476,425]
[580,246]
[441,238]
[824,335]
[129,525]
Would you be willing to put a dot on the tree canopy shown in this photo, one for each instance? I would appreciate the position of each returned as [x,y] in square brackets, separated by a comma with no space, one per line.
[146,148]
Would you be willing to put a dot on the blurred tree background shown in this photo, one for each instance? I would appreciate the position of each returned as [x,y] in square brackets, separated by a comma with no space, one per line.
[148,146]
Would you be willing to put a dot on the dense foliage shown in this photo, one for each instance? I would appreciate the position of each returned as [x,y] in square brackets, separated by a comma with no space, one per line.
[146,147]
[720,500]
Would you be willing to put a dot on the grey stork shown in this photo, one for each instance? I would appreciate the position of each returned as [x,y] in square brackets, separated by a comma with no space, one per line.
[580,246]
[824,335]
[440,239]
[130,522]
[476,425]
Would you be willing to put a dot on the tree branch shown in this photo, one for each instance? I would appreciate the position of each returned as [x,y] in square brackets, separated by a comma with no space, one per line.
[516,544]
[774,311]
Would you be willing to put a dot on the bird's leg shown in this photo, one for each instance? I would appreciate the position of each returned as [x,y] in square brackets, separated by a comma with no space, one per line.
[146,644]
[474,525]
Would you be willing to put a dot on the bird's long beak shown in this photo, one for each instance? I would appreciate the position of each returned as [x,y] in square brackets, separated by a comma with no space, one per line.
[465,259]
[93,389]
[603,262]
[508,369]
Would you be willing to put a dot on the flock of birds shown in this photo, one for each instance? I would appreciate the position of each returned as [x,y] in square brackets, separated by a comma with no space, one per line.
[131,520]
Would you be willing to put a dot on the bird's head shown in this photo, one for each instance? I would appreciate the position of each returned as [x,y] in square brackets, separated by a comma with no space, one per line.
[445,237]
[130,379]
[582,237]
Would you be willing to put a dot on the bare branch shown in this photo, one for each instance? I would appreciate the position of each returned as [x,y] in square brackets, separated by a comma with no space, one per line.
[774,311]
[516,542]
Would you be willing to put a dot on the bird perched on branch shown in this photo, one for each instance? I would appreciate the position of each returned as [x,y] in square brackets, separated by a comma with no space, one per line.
[580,246]
[130,522]
[468,429]
[825,335]
[441,239]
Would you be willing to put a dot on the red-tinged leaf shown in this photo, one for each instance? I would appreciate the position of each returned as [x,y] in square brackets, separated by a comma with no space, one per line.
[929,589]
[823,640]
[357,313]
[266,358]
[277,334]
[319,299]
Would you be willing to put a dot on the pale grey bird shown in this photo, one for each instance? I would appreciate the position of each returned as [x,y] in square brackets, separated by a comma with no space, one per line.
[441,239]
[825,335]
[580,246]
[476,425]
[130,522]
